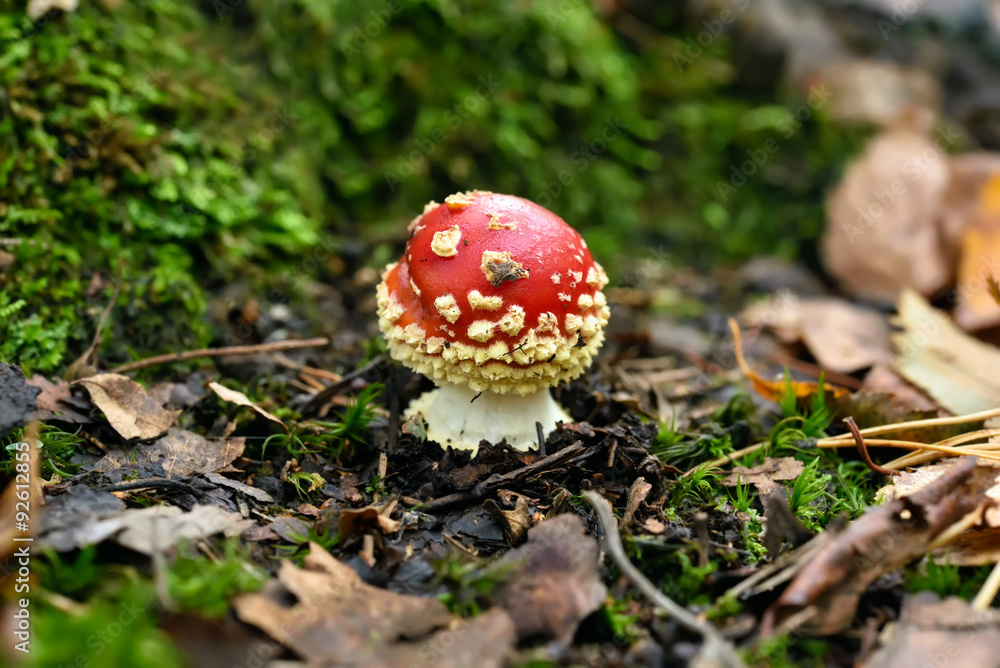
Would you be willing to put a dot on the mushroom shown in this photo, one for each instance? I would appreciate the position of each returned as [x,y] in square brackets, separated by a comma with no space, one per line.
[496,299]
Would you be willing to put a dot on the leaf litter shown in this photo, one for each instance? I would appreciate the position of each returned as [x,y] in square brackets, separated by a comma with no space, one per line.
[371,532]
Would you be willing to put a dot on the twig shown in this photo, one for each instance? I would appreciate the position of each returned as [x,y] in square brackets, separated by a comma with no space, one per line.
[989,591]
[316,402]
[149,483]
[859,440]
[720,649]
[221,352]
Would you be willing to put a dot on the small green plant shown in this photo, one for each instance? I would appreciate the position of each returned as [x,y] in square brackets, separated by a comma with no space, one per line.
[306,483]
[946,579]
[621,622]
[806,491]
[330,437]
[57,447]
[700,486]
[468,583]
[744,496]
[376,485]
[205,585]
[328,538]
[76,578]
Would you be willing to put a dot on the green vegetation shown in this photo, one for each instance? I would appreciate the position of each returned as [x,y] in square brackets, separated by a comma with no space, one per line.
[206,585]
[169,151]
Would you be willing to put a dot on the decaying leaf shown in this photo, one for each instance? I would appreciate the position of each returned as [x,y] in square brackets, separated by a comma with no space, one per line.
[129,409]
[91,517]
[555,583]
[980,261]
[370,518]
[339,620]
[959,372]
[240,399]
[829,585]
[883,232]
[178,453]
[842,336]
[515,522]
[935,632]
[56,402]
[765,476]
[773,390]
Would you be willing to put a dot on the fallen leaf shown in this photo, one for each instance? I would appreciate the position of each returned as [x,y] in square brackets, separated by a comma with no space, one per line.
[242,488]
[883,234]
[830,583]
[976,308]
[130,411]
[73,520]
[178,453]
[554,580]
[765,476]
[959,372]
[89,518]
[946,632]
[56,402]
[883,380]
[339,620]
[910,482]
[18,399]
[774,390]
[240,399]
[515,522]
[358,520]
[160,527]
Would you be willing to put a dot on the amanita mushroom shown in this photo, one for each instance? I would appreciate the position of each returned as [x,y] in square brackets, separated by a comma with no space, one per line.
[496,299]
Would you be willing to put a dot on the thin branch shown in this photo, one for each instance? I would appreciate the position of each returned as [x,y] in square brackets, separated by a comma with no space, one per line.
[859,440]
[723,653]
[221,352]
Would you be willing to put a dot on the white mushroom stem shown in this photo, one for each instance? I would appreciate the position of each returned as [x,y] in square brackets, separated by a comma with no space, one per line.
[455,416]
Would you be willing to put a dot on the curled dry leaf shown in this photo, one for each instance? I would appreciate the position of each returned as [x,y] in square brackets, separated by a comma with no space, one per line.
[959,372]
[240,399]
[56,402]
[338,620]
[129,409]
[883,232]
[829,585]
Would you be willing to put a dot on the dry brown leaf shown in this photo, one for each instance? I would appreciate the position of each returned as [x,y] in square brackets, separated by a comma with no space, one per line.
[555,582]
[515,522]
[160,527]
[932,632]
[339,620]
[980,261]
[773,390]
[842,336]
[885,538]
[240,399]
[765,476]
[959,372]
[883,232]
[56,402]
[129,409]
[369,518]
[179,453]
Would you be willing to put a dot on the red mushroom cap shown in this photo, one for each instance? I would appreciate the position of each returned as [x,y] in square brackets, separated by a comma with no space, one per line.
[495,292]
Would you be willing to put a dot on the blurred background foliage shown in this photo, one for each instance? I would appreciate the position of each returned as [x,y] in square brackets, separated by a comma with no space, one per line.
[171,148]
